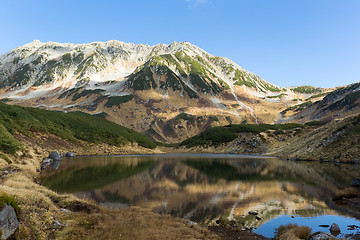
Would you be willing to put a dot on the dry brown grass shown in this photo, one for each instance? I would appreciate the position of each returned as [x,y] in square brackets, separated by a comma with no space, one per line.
[133,223]
[292,232]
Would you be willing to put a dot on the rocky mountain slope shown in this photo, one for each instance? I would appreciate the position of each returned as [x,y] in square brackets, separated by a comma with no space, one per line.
[171,92]
[340,103]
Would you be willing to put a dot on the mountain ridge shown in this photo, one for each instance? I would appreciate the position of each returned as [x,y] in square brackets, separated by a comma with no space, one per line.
[141,86]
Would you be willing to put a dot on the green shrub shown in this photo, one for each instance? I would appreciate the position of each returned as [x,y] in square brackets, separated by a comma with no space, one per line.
[117,100]
[185,116]
[70,126]
[223,134]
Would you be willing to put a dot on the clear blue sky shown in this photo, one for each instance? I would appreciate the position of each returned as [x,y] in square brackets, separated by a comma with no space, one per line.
[287,42]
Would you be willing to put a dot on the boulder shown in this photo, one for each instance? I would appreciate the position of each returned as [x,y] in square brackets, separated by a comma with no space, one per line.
[70,154]
[46,161]
[55,155]
[356,183]
[8,221]
[335,229]
[323,236]
[55,164]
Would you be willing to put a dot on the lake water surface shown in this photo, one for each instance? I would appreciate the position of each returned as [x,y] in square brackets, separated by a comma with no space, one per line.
[206,187]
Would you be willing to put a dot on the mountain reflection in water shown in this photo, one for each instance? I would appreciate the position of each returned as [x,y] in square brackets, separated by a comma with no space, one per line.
[206,187]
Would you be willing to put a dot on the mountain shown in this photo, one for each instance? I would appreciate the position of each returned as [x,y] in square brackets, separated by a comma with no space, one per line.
[340,103]
[170,92]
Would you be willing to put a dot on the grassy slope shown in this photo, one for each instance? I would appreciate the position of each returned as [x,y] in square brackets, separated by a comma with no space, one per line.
[214,136]
[70,126]
[337,140]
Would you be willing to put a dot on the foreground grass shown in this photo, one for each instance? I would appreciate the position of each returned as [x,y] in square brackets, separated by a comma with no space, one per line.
[72,126]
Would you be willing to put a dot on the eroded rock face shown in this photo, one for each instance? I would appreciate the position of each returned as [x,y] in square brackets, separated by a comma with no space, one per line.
[8,221]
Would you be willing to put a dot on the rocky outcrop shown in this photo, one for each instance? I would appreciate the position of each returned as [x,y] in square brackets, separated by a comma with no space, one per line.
[8,221]
[323,236]
[55,155]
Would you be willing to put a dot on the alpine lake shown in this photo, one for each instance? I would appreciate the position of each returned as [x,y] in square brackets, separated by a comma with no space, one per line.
[204,188]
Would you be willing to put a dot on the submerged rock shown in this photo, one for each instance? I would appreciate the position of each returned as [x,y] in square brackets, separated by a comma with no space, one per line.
[55,155]
[8,221]
[356,183]
[323,236]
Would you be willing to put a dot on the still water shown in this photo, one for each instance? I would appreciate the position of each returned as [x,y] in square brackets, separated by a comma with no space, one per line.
[206,187]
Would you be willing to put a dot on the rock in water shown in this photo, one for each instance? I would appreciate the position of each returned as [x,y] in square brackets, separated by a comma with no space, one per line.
[55,155]
[335,229]
[356,183]
[323,236]
[70,154]
[8,221]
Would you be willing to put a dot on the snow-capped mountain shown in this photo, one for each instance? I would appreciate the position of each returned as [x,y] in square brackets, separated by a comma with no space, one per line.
[140,86]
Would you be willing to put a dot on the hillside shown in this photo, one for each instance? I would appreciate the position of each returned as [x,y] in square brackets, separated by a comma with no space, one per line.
[22,125]
[142,87]
[336,140]
[340,103]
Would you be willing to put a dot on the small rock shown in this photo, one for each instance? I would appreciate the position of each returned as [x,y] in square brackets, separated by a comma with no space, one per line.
[55,155]
[258,218]
[253,213]
[37,170]
[42,168]
[64,210]
[6,172]
[356,183]
[46,161]
[335,229]
[217,221]
[57,224]
[3,176]
[324,226]
[70,154]
[323,236]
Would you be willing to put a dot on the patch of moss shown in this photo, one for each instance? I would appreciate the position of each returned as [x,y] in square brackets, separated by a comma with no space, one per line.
[86,93]
[279,96]
[307,89]
[117,100]
[186,117]
[142,80]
